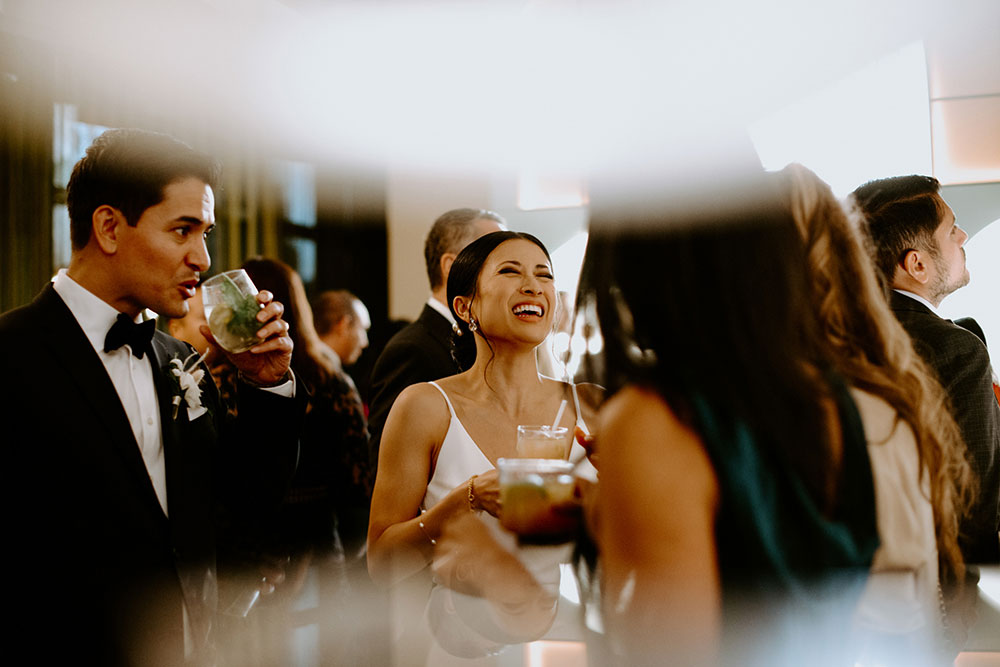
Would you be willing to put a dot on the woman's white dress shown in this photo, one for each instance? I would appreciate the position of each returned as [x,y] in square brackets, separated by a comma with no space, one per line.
[469,627]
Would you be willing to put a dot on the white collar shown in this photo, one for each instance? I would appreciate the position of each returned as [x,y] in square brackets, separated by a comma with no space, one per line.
[919,298]
[94,315]
[441,308]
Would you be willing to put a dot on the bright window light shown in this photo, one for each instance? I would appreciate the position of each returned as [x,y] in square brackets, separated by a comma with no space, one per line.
[538,191]
[978,298]
[871,124]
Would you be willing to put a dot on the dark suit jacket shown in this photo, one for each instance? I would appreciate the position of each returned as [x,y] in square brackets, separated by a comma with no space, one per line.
[420,352]
[107,571]
[960,359]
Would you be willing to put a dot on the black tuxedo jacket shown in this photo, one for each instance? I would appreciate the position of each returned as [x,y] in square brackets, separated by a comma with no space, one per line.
[420,352]
[107,569]
[962,364]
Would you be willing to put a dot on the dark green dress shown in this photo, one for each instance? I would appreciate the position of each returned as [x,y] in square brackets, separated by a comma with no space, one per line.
[791,577]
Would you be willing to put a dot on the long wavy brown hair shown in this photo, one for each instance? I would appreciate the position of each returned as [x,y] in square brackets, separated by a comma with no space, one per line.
[308,359]
[873,351]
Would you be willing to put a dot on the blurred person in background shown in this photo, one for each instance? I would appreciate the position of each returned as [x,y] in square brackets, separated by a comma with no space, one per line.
[342,322]
[421,351]
[332,483]
[923,482]
[736,510]
[188,329]
[917,247]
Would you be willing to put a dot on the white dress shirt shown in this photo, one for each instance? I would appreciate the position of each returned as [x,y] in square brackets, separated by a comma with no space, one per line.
[441,308]
[131,377]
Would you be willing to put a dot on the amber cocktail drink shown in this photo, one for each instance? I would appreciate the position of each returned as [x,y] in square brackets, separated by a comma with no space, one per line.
[538,500]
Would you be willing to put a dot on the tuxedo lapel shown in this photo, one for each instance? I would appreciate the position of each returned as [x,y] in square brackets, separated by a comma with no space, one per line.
[71,350]
[165,392]
[438,327]
[185,451]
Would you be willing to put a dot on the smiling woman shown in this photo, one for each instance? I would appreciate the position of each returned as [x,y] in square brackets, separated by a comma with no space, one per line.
[437,462]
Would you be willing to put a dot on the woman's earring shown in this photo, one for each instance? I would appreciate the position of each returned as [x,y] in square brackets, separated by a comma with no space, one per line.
[472,325]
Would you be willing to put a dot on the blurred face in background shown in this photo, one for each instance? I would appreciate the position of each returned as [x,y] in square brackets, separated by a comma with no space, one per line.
[186,328]
[350,334]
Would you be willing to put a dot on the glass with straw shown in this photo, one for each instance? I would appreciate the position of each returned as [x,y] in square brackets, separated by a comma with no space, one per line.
[537,490]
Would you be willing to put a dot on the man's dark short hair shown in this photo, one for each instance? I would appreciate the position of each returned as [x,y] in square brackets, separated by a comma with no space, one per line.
[330,307]
[900,214]
[128,170]
[450,233]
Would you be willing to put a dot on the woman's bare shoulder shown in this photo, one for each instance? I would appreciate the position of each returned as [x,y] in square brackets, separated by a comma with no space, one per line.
[633,404]
[641,416]
[421,405]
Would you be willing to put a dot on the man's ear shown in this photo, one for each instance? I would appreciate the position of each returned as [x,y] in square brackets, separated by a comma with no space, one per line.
[447,259]
[915,266]
[106,223]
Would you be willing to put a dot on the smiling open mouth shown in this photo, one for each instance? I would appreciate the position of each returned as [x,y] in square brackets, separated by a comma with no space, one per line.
[528,309]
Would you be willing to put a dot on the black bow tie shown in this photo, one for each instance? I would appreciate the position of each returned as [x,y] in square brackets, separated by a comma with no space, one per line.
[126,332]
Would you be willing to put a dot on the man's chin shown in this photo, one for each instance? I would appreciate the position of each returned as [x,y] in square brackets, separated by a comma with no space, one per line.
[173,310]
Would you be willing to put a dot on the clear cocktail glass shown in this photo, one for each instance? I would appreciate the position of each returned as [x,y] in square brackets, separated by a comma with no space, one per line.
[543,442]
[538,500]
[231,309]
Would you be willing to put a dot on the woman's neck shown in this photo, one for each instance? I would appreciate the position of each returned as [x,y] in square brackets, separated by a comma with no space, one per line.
[510,373]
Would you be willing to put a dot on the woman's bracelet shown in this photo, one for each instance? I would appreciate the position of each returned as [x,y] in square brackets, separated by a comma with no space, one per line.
[472,494]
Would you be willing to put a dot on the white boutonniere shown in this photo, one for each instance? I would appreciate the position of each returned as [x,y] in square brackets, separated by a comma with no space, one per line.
[189,377]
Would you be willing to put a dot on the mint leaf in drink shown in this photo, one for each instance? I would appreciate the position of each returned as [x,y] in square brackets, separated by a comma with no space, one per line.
[240,318]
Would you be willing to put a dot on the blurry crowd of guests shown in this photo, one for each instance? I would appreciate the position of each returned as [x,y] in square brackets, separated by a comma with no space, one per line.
[786,468]
[780,453]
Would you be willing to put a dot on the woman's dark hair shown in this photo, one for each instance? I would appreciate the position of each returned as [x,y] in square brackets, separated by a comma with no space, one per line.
[463,280]
[284,283]
[714,307]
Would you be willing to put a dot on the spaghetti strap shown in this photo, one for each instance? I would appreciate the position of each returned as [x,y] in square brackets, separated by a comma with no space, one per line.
[576,406]
[451,410]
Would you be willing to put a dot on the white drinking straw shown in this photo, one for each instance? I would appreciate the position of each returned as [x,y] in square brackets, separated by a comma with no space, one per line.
[562,407]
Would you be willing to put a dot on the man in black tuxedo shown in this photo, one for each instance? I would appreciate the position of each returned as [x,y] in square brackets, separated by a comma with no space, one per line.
[421,351]
[128,457]
[918,250]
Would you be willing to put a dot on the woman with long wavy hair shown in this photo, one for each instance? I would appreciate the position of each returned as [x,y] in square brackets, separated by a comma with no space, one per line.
[915,445]
[736,505]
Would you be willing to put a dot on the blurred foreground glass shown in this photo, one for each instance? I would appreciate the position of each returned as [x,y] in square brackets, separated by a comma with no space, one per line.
[543,442]
[231,309]
[538,500]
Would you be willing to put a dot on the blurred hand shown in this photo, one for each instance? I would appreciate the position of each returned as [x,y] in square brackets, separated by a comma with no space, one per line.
[469,560]
[589,444]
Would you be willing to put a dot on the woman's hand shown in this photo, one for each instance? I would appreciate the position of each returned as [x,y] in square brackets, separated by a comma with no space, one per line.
[466,555]
[469,560]
[484,492]
[589,444]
